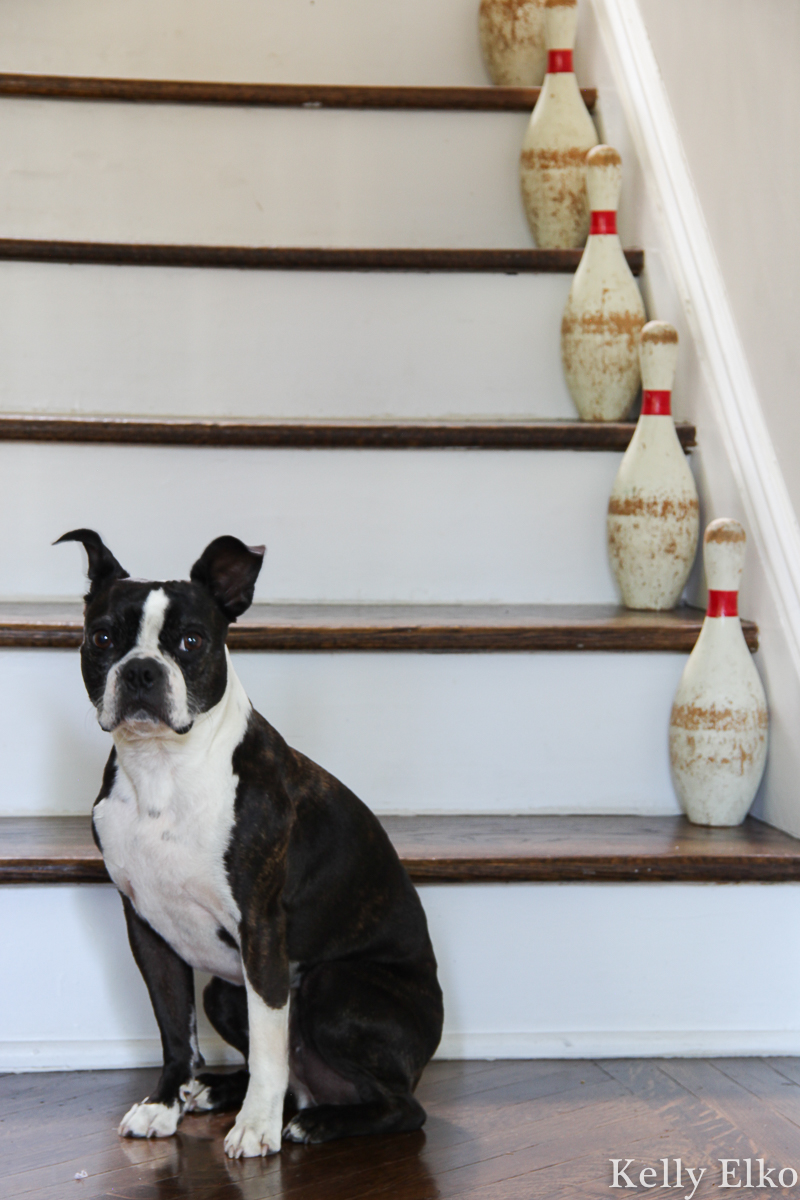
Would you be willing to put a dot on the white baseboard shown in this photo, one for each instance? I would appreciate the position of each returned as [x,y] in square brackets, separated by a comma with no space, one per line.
[85,1055]
[690,1043]
[714,1043]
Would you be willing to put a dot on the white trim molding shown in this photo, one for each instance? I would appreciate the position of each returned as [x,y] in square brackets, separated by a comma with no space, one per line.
[645,1043]
[123,1054]
[733,398]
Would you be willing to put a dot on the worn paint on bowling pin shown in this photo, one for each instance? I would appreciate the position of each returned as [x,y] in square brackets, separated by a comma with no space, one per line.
[604,313]
[653,511]
[513,41]
[718,729]
[560,132]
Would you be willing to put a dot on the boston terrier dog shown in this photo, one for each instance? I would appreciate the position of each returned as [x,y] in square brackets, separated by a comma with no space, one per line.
[237,855]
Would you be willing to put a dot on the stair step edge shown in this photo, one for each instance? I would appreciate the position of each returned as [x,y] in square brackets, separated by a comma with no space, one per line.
[281,95]
[464,629]
[327,435]
[480,849]
[301,258]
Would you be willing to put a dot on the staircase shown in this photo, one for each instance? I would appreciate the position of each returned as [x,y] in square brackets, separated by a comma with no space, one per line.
[310,315]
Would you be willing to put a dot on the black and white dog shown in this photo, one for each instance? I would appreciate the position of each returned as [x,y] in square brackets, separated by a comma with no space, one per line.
[237,855]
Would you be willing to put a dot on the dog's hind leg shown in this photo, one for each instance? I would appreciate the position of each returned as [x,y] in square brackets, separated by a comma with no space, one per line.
[365,1032]
[326,1122]
[226,1008]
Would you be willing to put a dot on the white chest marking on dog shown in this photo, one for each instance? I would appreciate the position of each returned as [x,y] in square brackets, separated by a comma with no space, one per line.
[258,1126]
[166,825]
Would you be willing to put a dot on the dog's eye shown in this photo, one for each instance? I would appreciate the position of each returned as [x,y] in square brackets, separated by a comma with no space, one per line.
[102,639]
[190,641]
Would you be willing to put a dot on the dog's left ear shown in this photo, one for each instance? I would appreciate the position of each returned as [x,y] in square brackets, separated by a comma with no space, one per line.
[103,567]
[229,570]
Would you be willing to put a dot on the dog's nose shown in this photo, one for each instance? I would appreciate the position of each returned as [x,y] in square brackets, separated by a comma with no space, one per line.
[140,675]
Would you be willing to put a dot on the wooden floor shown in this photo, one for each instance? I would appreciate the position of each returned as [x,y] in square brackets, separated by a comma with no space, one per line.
[495,1131]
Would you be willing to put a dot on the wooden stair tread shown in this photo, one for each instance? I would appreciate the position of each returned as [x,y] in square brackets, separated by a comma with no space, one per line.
[327,434]
[456,628]
[301,258]
[283,95]
[462,849]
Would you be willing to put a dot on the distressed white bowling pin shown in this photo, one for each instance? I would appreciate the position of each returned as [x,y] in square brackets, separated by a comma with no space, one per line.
[513,41]
[604,313]
[653,511]
[719,723]
[552,164]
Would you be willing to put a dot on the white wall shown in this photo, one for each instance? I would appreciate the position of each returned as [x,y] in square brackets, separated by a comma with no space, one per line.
[731,72]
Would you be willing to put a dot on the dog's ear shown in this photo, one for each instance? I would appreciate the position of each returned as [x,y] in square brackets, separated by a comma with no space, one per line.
[103,567]
[229,570]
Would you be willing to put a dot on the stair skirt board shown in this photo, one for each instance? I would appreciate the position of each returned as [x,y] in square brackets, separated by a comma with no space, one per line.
[565,732]
[664,970]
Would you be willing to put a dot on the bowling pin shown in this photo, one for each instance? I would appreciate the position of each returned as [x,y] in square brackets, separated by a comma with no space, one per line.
[653,512]
[552,163]
[512,41]
[604,313]
[719,723]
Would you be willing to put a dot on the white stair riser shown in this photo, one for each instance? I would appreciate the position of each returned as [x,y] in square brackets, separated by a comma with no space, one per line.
[566,732]
[382,525]
[510,990]
[327,41]
[280,343]
[160,173]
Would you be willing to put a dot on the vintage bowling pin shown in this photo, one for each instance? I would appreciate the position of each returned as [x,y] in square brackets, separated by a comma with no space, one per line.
[552,163]
[513,41]
[653,511]
[719,723]
[604,313]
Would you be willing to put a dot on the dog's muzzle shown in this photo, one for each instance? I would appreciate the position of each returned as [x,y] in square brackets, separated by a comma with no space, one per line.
[142,690]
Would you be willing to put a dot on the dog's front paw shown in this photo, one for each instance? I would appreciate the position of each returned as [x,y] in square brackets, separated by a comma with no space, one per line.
[196,1096]
[147,1120]
[253,1136]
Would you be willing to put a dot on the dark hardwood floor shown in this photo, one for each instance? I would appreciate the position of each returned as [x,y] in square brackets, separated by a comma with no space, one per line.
[495,1131]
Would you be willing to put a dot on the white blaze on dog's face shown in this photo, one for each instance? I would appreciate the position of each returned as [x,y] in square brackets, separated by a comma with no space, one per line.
[153,653]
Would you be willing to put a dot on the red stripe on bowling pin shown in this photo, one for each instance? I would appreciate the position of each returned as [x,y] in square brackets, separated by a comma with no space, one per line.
[656,404]
[722,604]
[559,62]
[603,222]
